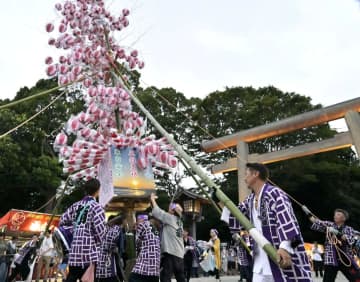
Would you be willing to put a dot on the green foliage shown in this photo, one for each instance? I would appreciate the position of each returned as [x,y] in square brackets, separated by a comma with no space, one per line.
[170,108]
[30,173]
[76,195]
[29,169]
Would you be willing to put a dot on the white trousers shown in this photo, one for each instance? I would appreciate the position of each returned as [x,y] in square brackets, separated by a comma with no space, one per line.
[262,278]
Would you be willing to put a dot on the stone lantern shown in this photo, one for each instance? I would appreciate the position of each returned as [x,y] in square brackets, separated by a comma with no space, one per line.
[192,204]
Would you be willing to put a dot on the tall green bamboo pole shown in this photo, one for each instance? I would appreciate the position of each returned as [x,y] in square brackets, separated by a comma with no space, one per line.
[257,236]
[42,93]
[215,206]
[200,186]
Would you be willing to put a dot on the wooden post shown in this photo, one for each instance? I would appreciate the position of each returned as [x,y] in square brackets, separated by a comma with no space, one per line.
[242,150]
[341,140]
[352,119]
[283,126]
[193,228]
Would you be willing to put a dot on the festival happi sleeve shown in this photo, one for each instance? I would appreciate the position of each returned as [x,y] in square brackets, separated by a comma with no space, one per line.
[68,217]
[106,242]
[140,228]
[99,223]
[287,226]
[143,228]
[192,244]
[349,234]
[320,225]
[234,224]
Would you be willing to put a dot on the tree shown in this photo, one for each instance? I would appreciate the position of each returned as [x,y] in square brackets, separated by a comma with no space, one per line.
[30,167]
[323,183]
[170,108]
[307,179]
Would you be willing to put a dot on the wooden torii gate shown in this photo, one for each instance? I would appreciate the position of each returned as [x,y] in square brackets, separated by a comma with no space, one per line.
[348,110]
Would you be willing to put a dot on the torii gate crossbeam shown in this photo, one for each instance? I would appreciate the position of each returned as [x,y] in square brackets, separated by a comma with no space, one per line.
[348,110]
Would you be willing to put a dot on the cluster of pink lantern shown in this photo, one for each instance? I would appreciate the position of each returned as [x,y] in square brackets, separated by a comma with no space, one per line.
[85,30]
[85,33]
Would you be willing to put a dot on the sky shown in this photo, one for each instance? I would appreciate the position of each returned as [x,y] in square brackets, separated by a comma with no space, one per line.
[197,47]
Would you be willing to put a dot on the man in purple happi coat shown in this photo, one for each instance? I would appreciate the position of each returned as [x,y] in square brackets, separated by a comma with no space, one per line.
[270,211]
[88,219]
[106,270]
[147,265]
[244,258]
[338,241]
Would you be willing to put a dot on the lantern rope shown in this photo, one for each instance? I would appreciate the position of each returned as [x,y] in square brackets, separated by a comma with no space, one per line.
[42,93]
[33,116]
[46,204]
[304,208]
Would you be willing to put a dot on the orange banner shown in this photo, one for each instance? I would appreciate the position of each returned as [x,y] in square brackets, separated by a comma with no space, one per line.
[27,221]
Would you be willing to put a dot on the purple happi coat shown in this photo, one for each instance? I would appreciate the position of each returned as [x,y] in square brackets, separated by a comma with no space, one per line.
[147,249]
[89,232]
[278,224]
[243,256]
[106,266]
[331,257]
[191,243]
[26,252]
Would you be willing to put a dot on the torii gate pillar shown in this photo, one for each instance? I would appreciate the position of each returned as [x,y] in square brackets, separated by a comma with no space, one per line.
[352,119]
[242,152]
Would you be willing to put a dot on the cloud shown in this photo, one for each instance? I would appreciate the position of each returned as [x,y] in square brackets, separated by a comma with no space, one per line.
[309,47]
[224,42]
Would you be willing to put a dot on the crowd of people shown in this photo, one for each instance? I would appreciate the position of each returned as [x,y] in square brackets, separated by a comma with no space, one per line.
[270,211]
[165,249]
[7,251]
[97,249]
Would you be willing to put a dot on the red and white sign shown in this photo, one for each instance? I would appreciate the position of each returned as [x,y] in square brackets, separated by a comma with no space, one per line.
[27,221]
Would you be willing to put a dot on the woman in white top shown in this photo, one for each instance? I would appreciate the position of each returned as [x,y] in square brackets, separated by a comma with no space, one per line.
[317,260]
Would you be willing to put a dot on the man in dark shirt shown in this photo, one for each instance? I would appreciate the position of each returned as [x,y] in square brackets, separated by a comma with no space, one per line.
[189,245]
